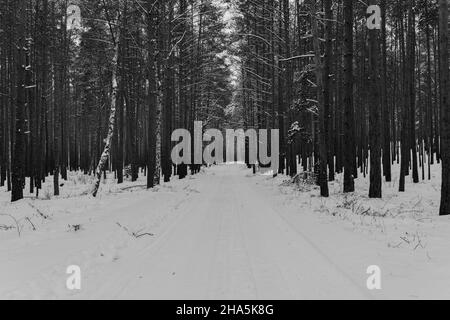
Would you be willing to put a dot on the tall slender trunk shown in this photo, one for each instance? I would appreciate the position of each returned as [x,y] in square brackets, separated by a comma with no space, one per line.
[386,119]
[429,110]
[327,92]
[323,179]
[404,123]
[412,88]
[349,122]
[374,114]
[445,107]
[152,94]
[112,116]
[18,159]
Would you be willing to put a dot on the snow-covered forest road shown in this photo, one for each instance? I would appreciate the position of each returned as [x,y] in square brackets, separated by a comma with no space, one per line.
[230,242]
[224,234]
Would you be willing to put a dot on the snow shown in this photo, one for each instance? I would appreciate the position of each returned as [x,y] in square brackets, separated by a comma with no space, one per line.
[225,234]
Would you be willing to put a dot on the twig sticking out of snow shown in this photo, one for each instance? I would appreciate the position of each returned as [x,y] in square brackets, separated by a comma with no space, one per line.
[5,227]
[134,187]
[28,219]
[39,212]
[412,240]
[15,221]
[143,234]
[137,234]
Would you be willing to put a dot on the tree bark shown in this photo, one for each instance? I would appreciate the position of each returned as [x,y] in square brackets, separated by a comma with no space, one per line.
[112,118]
[349,122]
[153,93]
[445,107]
[384,101]
[323,178]
[374,114]
[18,161]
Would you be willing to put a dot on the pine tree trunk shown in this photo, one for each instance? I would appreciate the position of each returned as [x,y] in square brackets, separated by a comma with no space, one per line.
[153,94]
[327,86]
[412,88]
[323,178]
[349,122]
[404,144]
[375,116]
[18,159]
[429,110]
[445,107]
[18,162]
[384,101]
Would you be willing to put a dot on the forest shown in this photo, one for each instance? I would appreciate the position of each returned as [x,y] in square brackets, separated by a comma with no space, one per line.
[99,87]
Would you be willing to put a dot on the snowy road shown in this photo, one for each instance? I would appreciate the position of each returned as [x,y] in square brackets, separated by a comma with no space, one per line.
[231,243]
[220,235]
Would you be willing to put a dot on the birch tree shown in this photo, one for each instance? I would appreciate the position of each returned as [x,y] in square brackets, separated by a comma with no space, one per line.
[115,36]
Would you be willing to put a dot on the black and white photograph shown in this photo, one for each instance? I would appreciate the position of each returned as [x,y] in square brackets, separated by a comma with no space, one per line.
[224,155]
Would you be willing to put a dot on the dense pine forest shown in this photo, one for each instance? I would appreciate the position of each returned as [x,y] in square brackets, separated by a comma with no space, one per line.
[99,87]
[115,116]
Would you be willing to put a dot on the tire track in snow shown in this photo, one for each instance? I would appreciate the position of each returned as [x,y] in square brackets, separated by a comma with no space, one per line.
[337,274]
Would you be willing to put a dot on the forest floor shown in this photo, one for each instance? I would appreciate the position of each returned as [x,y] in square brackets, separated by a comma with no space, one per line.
[225,234]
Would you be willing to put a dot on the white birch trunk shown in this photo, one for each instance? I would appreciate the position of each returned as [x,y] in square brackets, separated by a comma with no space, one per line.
[112,119]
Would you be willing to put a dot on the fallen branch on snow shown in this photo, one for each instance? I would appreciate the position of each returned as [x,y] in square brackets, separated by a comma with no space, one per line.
[46,217]
[5,227]
[28,219]
[137,234]
[15,221]
[134,187]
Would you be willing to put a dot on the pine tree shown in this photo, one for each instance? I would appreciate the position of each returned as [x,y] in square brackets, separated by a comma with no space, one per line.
[445,106]
[349,129]
[374,114]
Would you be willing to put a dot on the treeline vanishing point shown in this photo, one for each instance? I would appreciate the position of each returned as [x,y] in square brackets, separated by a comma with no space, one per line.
[105,93]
